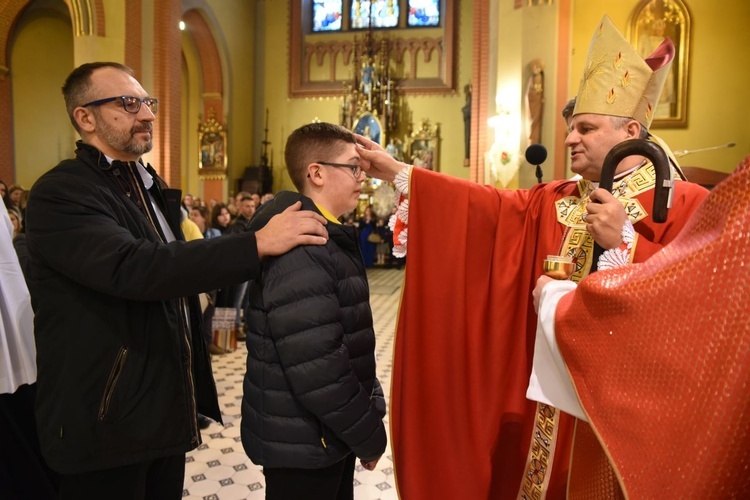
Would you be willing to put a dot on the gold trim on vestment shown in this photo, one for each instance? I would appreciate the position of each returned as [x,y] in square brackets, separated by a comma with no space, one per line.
[577,242]
[541,453]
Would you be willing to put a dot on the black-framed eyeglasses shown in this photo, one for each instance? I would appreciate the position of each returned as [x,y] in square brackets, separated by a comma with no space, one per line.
[131,103]
[356,169]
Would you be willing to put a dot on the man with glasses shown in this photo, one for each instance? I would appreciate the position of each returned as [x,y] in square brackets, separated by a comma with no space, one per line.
[123,368]
[311,402]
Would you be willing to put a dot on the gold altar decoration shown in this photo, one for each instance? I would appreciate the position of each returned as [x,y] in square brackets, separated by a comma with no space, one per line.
[423,146]
[212,149]
[371,105]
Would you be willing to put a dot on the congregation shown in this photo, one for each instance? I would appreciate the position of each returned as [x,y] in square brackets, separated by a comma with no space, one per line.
[215,218]
[201,219]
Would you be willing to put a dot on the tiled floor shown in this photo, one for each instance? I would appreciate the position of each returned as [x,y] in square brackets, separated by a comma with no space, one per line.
[219,468]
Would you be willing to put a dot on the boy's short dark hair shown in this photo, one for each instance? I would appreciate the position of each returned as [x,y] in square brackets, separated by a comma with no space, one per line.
[313,142]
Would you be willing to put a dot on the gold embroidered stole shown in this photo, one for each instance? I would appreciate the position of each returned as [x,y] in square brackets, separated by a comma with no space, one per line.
[541,453]
[578,244]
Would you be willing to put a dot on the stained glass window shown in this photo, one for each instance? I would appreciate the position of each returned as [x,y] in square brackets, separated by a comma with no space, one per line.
[381,13]
[327,15]
[424,13]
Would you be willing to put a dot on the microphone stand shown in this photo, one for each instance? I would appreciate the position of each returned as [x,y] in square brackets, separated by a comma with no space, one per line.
[684,152]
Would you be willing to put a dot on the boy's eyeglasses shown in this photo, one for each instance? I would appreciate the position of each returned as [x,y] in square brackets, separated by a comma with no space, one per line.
[356,169]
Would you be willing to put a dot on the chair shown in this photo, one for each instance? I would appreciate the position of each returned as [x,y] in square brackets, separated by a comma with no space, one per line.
[705,177]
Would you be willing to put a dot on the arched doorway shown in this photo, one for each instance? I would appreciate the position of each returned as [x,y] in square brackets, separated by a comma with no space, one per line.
[40,55]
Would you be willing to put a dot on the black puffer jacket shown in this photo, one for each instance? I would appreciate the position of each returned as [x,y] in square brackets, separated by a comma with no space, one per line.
[310,392]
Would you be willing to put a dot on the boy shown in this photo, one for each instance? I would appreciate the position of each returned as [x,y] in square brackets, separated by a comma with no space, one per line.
[311,400]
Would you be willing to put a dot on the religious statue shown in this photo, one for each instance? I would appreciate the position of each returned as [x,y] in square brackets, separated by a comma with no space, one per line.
[466,110]
[535,100]
[394,149]
[367,71]
[367,80]
[212,143]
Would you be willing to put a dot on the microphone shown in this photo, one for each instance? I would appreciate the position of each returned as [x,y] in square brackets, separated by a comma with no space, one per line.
[535,155]
[683,152]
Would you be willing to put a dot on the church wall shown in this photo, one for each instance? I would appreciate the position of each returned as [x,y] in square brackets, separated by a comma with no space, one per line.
[523,35]
[446,110]
[232,33]
[106,46]
[235,38]
[41,57]
[286,114]
[718,74]
[192,108]
[253,43]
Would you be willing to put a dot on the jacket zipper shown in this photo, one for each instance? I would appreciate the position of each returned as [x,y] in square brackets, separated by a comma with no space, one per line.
[191,383]
[322,435]
[183,310]
[142,197]
[114,376]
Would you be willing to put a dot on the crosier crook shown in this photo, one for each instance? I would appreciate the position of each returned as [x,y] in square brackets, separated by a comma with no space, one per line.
[662,187]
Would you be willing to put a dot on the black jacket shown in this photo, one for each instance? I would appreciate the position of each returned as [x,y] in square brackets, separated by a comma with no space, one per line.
[119,372]
[310,392]
[239,225]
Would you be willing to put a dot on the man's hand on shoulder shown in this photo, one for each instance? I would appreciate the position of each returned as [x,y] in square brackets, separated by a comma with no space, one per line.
[291,228]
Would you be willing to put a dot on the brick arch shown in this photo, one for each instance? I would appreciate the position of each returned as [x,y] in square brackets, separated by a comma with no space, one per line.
[87,16]
[212,81]
[210,63]
[10,13]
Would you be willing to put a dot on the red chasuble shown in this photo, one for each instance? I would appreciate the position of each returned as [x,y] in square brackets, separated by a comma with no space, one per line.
[461,424]
[659,354]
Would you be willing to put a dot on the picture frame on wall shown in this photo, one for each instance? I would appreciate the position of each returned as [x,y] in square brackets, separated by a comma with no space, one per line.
[651,22]
[212,150]
[423,148]
[369,126]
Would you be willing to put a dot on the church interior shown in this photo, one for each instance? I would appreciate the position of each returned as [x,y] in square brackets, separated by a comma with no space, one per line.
[463,92]
[241,75]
